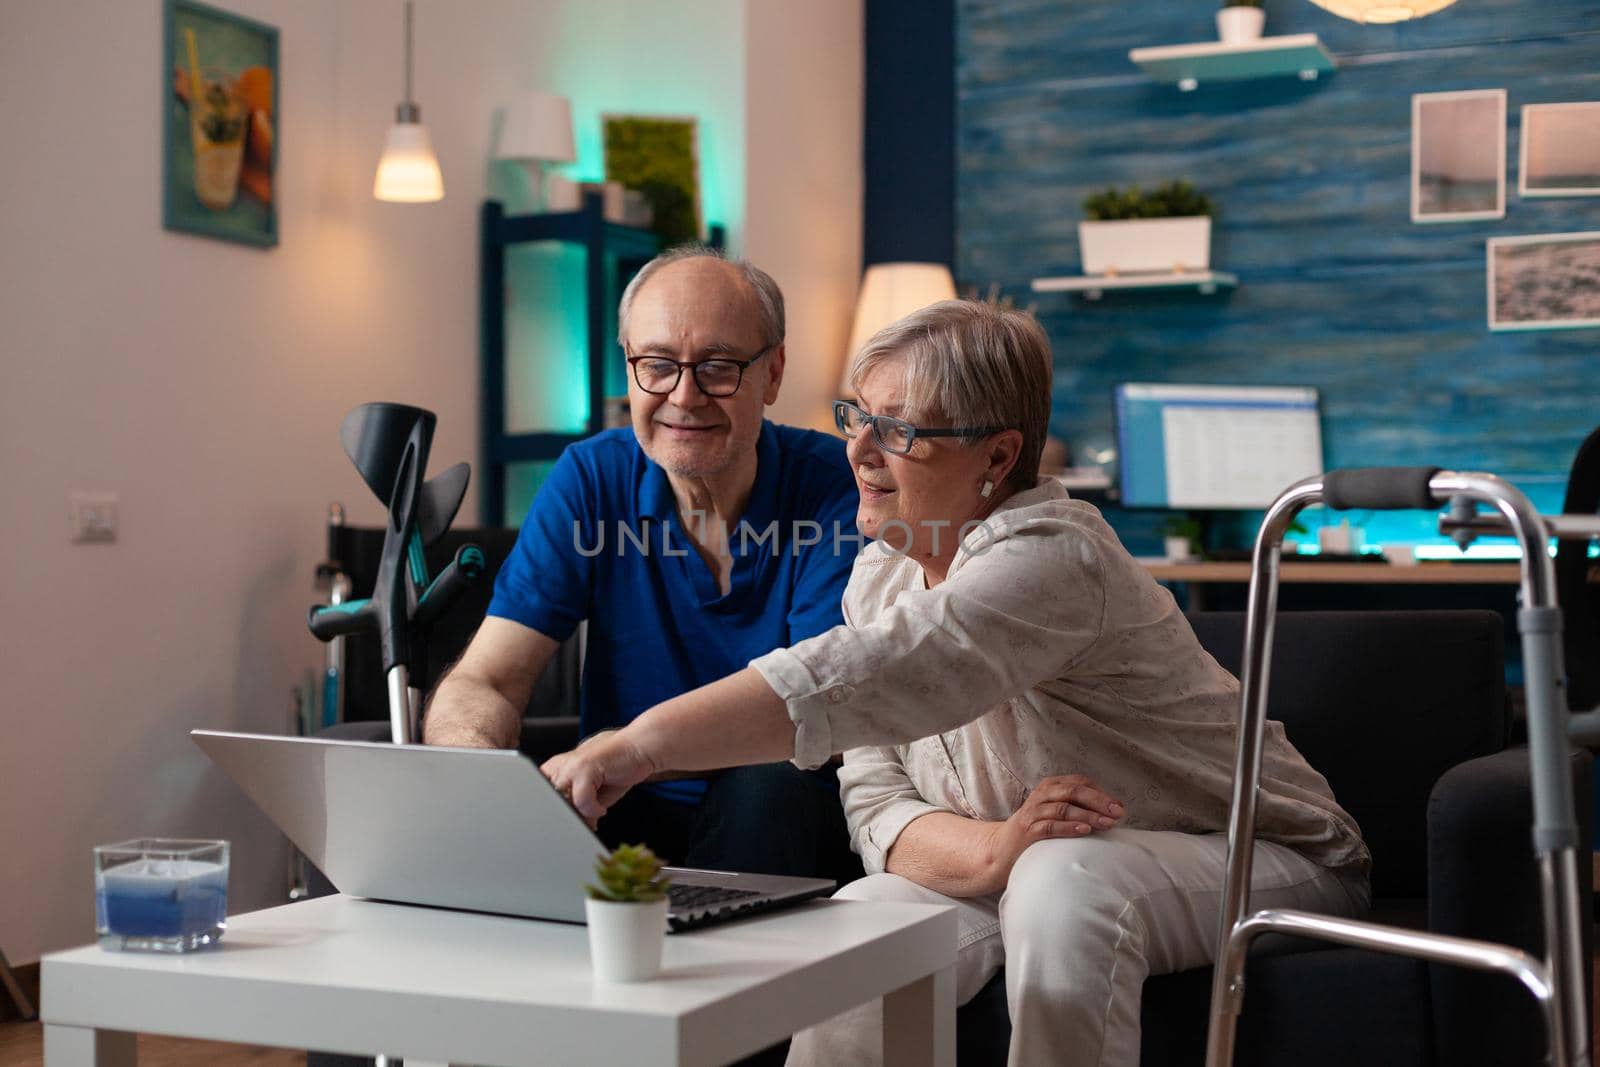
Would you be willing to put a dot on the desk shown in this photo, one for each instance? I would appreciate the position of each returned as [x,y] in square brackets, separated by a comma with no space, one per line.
[357,976]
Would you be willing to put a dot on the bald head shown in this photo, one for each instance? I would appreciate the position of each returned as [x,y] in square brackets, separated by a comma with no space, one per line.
[710,266]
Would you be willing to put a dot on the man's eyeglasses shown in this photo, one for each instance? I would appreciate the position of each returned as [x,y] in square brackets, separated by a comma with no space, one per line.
[713,377]
[895,435]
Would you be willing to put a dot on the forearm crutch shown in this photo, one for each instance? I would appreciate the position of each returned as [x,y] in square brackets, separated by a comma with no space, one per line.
[389,445]
[1557,979]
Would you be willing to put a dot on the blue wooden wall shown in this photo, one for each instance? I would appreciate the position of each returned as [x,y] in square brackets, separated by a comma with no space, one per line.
[1337,288]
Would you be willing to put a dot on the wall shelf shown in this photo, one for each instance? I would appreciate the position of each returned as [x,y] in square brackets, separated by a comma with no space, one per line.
[614,253]
[1187,65]
[1093,286]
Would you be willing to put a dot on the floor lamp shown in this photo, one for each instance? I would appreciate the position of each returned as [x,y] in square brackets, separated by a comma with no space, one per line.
[13,987]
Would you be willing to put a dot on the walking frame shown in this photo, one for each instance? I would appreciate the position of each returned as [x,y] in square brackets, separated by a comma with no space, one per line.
[1556,980]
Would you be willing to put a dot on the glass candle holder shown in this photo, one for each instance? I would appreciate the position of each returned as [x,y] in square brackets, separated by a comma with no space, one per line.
[156,894]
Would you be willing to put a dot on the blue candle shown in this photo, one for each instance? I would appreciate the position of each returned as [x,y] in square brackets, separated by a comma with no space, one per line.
[162,899]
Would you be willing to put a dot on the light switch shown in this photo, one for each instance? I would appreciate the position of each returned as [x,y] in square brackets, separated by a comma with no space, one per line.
[91,516]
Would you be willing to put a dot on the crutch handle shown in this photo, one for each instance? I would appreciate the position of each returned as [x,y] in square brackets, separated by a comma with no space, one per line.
[1379,488]
[338,620]
[458,575]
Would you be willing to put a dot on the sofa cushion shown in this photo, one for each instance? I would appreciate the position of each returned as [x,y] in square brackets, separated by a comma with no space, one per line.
[1382,703]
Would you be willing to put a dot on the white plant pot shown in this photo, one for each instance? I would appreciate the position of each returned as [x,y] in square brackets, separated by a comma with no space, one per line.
[1177,548]
[1236,25]
[625,939]
[1146,246]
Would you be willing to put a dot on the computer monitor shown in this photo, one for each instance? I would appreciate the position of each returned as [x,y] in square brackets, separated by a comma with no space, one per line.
[1214,446]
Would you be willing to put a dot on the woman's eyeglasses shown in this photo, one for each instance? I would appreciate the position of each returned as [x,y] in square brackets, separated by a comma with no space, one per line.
[892,434]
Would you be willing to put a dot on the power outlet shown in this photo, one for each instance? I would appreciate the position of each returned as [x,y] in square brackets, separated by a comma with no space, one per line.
[91,516]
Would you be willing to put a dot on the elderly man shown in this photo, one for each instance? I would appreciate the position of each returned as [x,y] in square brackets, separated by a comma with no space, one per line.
[696,541]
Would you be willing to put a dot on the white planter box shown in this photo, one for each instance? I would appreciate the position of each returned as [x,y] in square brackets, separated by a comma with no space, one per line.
[1237,25]
[1132,246]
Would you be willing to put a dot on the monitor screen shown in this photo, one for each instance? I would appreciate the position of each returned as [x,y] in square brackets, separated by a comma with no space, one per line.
[1214,446]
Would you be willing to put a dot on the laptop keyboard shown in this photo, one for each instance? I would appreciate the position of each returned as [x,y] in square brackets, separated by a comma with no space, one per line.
[697,905]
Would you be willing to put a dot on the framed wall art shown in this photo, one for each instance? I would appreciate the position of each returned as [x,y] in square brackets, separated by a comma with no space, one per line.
[1458,156]
[1546,281]
[1560,153]
[219,93]
[660,157]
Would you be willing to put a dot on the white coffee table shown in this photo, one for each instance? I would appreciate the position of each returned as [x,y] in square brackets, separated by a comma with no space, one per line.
[347,975]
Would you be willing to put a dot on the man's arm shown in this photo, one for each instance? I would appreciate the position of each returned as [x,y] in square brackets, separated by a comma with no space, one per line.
[479,702]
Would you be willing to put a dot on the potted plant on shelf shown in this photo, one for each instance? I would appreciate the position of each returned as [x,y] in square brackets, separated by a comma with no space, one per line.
[1129,231]
[1181,538]
[627,915]
[1239,21]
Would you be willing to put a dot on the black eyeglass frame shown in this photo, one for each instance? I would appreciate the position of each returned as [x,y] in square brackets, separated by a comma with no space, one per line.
[694,369]
[912,432]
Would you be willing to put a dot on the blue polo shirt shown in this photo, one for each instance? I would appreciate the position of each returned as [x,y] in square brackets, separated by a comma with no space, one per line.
[603,541]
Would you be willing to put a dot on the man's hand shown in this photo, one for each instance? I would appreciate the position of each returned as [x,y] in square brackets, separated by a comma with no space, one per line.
[596,774]
[1067,805]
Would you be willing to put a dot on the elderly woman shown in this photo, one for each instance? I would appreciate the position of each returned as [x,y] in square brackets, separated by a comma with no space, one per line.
[1032,732]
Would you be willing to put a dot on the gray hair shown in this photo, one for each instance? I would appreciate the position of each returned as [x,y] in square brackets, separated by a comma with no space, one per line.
[768,297]
[975,364]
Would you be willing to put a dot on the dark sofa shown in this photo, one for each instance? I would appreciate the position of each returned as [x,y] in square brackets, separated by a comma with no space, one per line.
[1406,715]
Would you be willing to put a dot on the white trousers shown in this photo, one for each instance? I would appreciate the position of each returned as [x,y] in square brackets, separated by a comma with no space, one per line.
[1080,924]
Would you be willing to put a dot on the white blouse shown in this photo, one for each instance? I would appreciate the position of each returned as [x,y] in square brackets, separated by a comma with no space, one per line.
[1047,650]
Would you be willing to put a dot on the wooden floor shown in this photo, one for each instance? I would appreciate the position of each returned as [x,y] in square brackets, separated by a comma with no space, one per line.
[21,1045]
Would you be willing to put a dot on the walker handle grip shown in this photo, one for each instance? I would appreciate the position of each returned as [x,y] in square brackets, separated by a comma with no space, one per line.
[1380,488]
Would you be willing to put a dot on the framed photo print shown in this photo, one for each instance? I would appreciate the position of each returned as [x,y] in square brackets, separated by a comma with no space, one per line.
[1560,153]
[1458,156]
[219,97]
[1545,281]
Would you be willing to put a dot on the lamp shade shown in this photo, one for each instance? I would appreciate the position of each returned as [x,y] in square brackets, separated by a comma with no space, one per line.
[408,173]
[1382,10]
[890,292]
[538,126]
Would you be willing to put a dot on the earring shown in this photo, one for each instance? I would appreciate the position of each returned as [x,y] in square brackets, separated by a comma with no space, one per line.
[988,487]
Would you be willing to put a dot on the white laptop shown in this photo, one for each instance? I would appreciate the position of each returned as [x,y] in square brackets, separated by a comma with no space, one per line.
[473,829]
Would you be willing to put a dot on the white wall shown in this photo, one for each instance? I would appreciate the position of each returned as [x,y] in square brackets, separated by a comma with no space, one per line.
[803,92]
[617,57]
[204,381]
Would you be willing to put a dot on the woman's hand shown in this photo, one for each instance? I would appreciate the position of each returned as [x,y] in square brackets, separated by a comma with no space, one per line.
[596,774]
[1068,805]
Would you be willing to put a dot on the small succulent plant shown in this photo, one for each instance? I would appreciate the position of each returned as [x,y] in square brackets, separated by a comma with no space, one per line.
[1241,3]
[1172,200]
[630,874]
